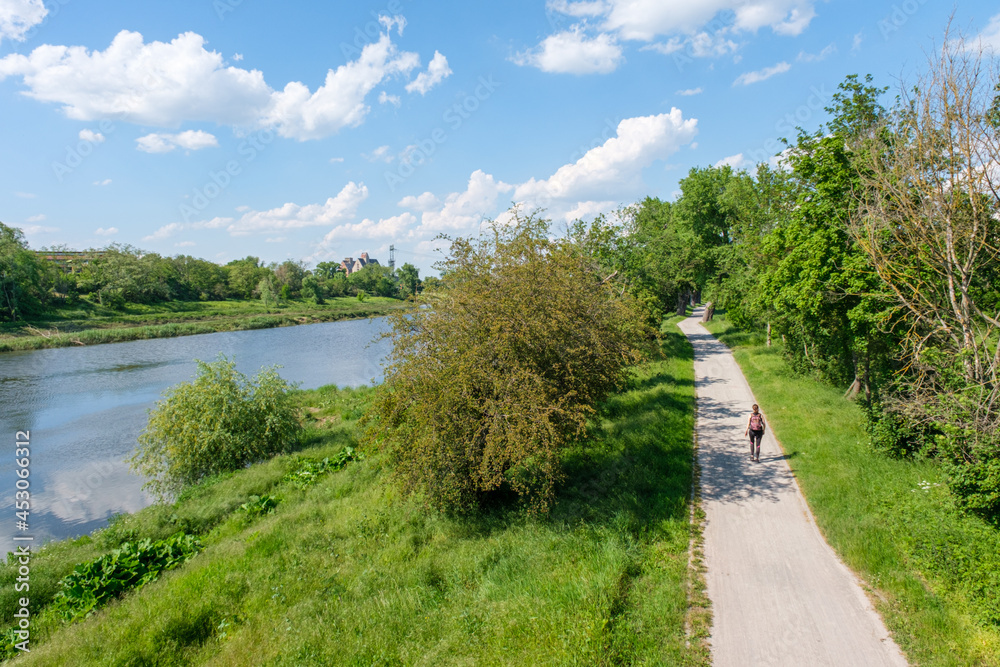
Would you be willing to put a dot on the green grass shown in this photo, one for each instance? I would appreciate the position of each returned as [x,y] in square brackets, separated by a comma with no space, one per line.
[343,571]
[933,572]
[91,324]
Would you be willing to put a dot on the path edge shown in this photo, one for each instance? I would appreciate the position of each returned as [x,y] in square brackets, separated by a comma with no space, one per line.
[698,619]
[869,594]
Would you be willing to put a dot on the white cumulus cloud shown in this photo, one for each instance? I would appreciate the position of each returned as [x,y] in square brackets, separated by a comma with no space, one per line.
[91,136]
[748,78]
[436,72]
[340,101]
[735,161]
[573,52]
[191,140]
[394,227]
[707,28]
[165,84]
[647,19]
[17,17]
[110,231]
[333,211]
[614,169]
[460,211]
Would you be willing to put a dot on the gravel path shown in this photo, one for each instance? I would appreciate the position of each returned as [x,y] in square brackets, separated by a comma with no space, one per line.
[780,595]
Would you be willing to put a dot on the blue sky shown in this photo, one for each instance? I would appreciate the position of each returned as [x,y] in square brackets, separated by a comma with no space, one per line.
[317,130]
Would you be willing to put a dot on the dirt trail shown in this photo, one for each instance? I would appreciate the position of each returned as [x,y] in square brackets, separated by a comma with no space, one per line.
[780,595]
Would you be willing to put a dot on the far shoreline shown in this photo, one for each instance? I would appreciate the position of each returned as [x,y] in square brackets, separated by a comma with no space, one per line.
[174,319]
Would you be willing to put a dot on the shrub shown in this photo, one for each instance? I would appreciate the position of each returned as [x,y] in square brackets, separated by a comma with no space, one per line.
[220,422]
[487,388]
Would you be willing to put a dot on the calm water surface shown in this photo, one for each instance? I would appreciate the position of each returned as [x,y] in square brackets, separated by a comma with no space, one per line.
[85,407]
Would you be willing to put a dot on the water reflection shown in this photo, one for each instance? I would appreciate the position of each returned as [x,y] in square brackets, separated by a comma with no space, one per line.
[85,406]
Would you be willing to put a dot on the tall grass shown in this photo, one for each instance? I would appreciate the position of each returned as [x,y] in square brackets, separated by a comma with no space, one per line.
[346,572]
[933,571]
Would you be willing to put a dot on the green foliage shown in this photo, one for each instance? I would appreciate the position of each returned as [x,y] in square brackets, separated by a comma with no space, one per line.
[934,569]
[268,293]
[313,289]
[487,388]
[373,279]
[891,433]
[364,577]
[222,421]
[308,471]
[259,506]
[245,275]
[22,277]
[409,279]
[91,585]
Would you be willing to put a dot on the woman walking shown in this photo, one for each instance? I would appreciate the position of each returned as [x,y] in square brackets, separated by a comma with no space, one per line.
[755,429]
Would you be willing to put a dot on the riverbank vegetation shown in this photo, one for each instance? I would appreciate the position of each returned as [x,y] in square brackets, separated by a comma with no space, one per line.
[932,568]
[121,293]
[872,253]
[337,567]
[87,323]
[484,391]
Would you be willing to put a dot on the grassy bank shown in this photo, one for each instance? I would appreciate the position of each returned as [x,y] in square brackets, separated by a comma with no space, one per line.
[91,324]
[345,572]
[933,572]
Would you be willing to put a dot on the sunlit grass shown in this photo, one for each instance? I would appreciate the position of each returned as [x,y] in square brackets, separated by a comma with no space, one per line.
[934,571]
[346,572]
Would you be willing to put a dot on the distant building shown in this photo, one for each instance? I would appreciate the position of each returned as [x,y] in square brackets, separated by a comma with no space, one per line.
[350,265]
[70,261]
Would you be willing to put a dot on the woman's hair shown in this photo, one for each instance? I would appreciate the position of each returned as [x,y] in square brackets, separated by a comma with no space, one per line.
[755,406]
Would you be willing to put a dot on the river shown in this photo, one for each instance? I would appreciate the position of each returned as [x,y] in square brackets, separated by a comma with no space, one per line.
[85,406]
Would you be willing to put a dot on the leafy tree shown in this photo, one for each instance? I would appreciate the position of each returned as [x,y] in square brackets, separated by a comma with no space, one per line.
[313,289]
[245,276]
[22,277]
[328,270]
[126,274]
[290,274]
[220,422]
[486,389]
[268,291]
[930,229]
[198,279]
[409,279]
[373,279]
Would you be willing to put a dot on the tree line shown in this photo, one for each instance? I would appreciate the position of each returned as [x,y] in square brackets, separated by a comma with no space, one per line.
[119,275]
[872,254]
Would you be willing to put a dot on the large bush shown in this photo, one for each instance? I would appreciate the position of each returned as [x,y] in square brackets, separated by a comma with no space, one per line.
[486,388]
[220,422]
